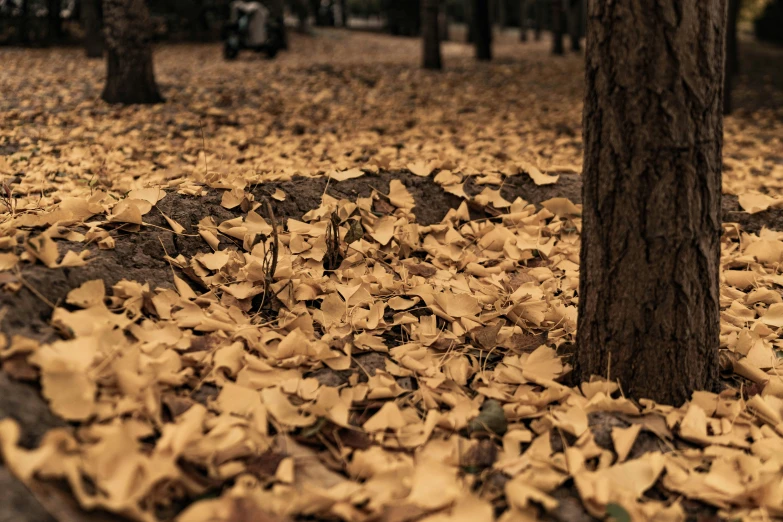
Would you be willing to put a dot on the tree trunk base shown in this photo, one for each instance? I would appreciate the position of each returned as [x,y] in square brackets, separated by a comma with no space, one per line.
[130,80]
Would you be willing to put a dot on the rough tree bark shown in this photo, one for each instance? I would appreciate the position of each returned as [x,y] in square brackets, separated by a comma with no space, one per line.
[130,77]
[558,23]
[574,17]
[523,20]
[430,30]
[92,22]
[483,29]
[732,60]
[653,130]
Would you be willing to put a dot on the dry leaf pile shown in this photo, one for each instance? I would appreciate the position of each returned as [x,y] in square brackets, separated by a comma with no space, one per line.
[355,364]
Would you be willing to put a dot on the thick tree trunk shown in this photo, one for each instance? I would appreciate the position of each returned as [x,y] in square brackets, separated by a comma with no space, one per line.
[575,24]
[129,73]
[483,29]
[653,128]
[732,60]
[558,23]
[93,28]
[523,11]
[430,29]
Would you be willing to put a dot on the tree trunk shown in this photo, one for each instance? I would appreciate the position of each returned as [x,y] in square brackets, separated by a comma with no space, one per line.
[575,24]
[54,29]
[557,27]
[315,6]
[443,22]
[430,29]
[732,60]
[93,28]
[24,28]
[523,20]
[277,12]
[470,23]
[539,18]
[651,228]
[129,73]
[502,15]
[483,29]
[344,13]
[302,13]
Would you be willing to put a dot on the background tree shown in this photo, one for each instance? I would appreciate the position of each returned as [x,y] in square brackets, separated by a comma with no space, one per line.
[732,60]
[574,17]
[430,34]
[54,25]
[523,13]
[539,7]
[343,13]
[653,131]
[130,77]
[482,28]
[92,21]
[558,27]
[469,23]
[443,21]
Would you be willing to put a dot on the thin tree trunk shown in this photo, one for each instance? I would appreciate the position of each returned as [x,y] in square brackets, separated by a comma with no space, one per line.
[523,8]
[302,13]
[558,21]
[130,77]
[732,60]
[54,30]
[648,291]
[277,12]
[24,28]
[539,18]
[502,14]
[470,23]
[344,13]
[443,22]
[483,29]
[93,28]
[575,24]
[430,29]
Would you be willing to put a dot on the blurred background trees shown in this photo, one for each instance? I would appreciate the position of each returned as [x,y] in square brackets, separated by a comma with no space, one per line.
[51,22]
[42,23]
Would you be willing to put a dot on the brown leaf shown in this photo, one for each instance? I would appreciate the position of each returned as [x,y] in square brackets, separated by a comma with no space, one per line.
[526,343]
[265,465]
[421,269]
[487,336]
[481,456]
[18,368]
[382,207]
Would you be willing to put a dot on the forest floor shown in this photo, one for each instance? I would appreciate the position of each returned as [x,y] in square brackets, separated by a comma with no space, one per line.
[335,286]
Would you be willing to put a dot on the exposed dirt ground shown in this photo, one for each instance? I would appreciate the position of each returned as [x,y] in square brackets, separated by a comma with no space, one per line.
[202,385]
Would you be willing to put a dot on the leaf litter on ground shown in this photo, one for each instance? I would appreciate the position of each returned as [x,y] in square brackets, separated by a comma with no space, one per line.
[421,377]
